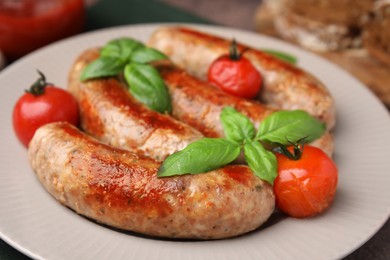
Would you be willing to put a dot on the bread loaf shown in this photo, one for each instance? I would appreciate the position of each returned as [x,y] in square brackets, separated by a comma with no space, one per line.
[376,36]
[323,25]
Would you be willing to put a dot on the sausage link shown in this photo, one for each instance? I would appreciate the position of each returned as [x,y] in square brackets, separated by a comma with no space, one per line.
[285,86]
[200,104]
[120,188]
[112,115]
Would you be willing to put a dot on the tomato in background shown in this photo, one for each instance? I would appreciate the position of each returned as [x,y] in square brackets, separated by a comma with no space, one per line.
[43,104]
[29,24]
[305,187]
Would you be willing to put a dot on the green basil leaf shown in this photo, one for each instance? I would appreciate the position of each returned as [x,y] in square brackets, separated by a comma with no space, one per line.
[262,162]
[102,67]
[201,156]
[236,126]
[146,55]
[284,127]
[282,56]
[121,48]
[146,86]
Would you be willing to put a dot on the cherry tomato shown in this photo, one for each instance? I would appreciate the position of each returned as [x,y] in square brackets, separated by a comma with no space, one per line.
[42,104]
[235,74]
[305,187]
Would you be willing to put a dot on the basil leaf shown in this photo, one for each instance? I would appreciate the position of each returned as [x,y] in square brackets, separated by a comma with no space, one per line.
[121,48]
[201,156]
[282,56]
[147,87]
[236,126]
[146,55]
[102,67]
[262,162]
[284,127]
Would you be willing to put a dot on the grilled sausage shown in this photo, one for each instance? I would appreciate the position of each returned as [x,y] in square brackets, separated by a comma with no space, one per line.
[109,113]
[285,86]
[121,189]
[194,102]
[199,104]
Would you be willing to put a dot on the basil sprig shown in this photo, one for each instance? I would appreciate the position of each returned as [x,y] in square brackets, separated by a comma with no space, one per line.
[103,67]
[286,127]
[262,162]
[278,129]
[201,156]
[132,58]
[147,86]
[236,126]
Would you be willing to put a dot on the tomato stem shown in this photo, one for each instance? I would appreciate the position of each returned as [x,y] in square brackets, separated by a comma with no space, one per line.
[297,152]
[38,87]
[233,51]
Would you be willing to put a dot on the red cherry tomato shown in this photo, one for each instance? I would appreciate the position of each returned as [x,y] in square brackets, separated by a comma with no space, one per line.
[41,105]
[305,187]
[235,75]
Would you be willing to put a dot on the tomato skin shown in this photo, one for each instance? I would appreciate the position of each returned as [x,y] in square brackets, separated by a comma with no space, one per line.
[237,77]
[305,187]
[30,112]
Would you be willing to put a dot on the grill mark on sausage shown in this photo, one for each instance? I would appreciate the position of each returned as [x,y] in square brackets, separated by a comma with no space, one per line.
[92,121]
[122,181]
[129,186]
[119,97]
[239,174]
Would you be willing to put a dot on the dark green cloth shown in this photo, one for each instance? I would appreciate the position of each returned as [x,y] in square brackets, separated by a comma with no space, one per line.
[8,252]
[110,13]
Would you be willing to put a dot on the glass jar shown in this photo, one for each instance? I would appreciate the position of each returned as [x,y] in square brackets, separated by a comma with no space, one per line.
[26,25]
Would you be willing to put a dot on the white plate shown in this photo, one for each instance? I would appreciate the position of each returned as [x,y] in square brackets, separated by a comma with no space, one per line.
[33,222]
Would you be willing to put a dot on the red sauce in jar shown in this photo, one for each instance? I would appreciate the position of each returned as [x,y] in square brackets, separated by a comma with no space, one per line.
[26,25]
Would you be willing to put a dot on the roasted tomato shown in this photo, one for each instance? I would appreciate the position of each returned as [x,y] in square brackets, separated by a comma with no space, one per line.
[43,103]
[235,74]
[306,186]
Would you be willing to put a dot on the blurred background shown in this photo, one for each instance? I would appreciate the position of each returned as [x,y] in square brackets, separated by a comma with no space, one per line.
[232,13]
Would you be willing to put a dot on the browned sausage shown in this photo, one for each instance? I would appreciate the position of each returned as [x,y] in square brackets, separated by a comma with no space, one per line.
[285,86]
[112,115]
[118,119]
[121,189]
[199,104]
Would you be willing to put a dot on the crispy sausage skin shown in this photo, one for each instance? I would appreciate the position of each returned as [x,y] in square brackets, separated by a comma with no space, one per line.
[112,115]
[285,86]
[121,189]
